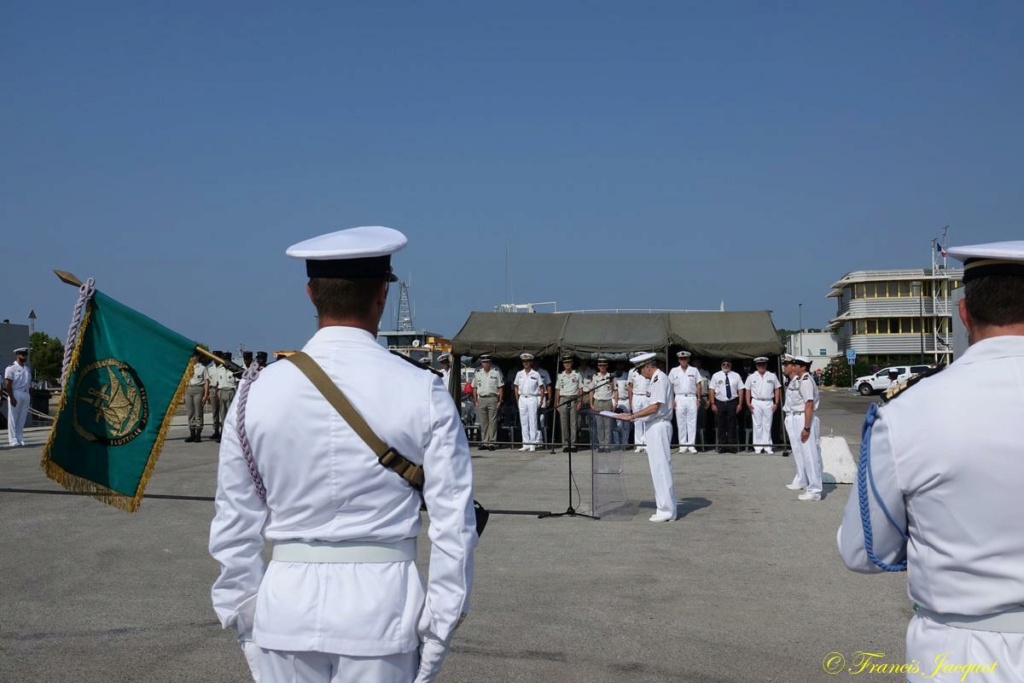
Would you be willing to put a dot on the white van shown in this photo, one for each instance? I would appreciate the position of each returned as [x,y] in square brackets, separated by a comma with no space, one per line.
[878,382]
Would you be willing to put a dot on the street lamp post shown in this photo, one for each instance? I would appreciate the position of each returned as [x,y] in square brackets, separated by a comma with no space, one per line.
[800,314]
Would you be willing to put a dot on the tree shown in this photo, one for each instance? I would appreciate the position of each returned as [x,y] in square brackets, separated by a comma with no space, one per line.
[784,336]
[47,356]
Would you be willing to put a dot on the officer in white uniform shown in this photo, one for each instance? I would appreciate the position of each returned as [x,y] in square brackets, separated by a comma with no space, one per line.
[687,386]
[342,601]
[638,401]
[657,415]
[445,359]
[943,461]
[17,382]
[528,389]
[803,428]
[764,392]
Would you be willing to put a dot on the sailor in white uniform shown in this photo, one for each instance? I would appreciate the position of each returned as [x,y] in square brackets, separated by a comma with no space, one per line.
[763,397]
[657,415]
[17,382]
[342,600]
[445,359]
[638,400]
[687,386]
[940,479]
[528,389]
[803,428]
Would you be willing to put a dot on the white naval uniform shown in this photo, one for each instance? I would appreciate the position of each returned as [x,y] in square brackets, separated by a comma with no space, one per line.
[325,484]
[806,454]
[531,386]
[762,389]
[659,443]
[21,382]
[951,474]
[684,384]
[639,384]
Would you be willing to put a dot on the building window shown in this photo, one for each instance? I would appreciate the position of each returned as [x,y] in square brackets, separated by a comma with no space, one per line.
[872,326]
[859,291]
[822,352]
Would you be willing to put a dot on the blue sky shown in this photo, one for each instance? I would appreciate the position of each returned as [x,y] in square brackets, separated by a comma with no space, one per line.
[630,155]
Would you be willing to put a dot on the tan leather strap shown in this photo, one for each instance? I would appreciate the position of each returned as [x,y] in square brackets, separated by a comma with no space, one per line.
[388,457]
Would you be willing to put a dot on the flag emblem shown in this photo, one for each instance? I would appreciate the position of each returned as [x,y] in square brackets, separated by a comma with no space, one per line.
[110,403]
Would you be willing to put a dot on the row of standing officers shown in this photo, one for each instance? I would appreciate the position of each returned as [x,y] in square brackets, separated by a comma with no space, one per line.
[725,393]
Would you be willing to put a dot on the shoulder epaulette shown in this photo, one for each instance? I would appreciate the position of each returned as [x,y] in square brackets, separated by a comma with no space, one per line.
[897,389]
[416,363]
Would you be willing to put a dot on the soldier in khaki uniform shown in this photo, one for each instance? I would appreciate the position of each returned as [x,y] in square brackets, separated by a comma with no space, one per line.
[226,385]
[197,395]
[213,371]
[601,395]
[488,390]
[569,399]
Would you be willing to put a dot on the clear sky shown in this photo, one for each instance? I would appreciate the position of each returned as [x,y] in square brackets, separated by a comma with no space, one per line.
[630,155]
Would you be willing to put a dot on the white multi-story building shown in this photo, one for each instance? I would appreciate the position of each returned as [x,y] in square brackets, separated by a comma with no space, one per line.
[819,347]
[893,316]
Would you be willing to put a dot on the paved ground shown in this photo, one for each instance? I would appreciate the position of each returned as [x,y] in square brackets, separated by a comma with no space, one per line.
[746,587]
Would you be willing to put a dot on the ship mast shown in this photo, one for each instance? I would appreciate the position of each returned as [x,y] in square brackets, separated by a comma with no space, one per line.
[403,322]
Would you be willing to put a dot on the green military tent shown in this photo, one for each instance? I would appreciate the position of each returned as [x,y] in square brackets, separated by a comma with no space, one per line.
[710,334]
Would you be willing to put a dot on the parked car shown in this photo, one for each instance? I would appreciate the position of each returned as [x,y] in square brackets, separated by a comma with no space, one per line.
[878,382]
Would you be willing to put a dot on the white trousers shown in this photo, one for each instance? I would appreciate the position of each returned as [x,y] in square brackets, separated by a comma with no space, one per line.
[320,667]
[686,419]
[528,419]
[806,455]
[659,457]
[932,644]
[763,423]
[639,428]
[16,417]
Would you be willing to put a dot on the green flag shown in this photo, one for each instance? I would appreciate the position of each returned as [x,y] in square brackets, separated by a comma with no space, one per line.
[126,377]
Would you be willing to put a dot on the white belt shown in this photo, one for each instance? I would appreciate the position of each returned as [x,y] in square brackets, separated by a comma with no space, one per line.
[764,399]
[341,552]
[1011,621]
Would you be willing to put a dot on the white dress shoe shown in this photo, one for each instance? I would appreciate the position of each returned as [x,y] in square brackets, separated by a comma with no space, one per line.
[525,448]
[794,487]
[769,451]
[693,450]
[808,496]
[657,517]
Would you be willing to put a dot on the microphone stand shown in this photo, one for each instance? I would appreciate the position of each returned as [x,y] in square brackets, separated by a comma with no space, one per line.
[571,511]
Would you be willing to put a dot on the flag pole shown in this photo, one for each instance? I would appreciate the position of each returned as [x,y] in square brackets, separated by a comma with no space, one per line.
[71,279]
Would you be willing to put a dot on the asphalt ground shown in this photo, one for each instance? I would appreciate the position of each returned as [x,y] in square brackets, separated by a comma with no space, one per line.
[747,586]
